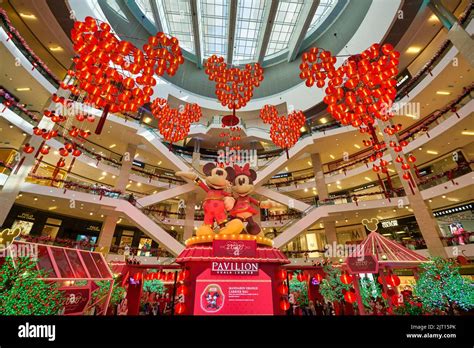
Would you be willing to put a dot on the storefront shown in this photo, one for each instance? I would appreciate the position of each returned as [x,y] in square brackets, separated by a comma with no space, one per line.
[456,224]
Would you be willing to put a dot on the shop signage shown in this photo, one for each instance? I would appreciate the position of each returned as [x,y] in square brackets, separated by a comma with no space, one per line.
[389,223]
[281,175]
[75,299]
[93,228]
[138,164]
[232,267]
[26,216]
[363,264]
[234,248]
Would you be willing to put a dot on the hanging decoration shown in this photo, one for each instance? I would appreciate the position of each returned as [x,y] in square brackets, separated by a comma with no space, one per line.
[234,86]
[358,93]
[115,75]
[174,124]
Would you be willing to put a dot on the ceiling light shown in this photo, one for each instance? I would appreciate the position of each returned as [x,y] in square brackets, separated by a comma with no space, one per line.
[453,199]
[367,178]
[433,18]
[339,187]
[391,170]
[305,190]
[467,132]
[53,208]
[112,146]
[357,146]
[332,156]
[309,163]
[323,120]
[432,152]
[147,119]
[443,196]
[286,168]
[101,178]
[113,176]
[338,182]
[102,215]
[303,129]
[35,199]
[411,116]
[159,163]
[139,184]
[27,16]
[91,213]
[55,48]
[23,89]
[443,92]
[136,155]
[413,49]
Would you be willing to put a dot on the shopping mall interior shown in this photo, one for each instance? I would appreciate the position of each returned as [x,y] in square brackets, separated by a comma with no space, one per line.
[305,158]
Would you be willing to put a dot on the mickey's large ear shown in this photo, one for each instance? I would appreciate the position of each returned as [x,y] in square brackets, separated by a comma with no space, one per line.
[253,175]
[208,167]
[365,222]
[230,173]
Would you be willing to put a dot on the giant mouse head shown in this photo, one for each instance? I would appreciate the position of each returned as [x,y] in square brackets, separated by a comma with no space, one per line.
[217,177]
[243,181]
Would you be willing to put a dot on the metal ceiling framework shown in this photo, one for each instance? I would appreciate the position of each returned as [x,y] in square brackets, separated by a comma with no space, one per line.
[242,31]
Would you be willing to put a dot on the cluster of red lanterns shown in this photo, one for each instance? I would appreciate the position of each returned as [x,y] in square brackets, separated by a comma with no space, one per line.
[317,65]
[282,276]
[234,86]
[53,117]
[116,75]
[284,130]
[359,92]
[174,124]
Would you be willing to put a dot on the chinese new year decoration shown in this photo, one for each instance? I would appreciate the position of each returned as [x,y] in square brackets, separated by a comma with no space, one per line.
[115,75]
[358,93]
[174,124]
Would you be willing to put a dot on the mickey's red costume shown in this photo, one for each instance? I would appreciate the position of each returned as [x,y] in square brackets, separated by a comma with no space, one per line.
[217,200]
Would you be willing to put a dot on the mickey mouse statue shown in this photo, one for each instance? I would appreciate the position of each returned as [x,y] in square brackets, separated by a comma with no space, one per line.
[218,201]
[243,209]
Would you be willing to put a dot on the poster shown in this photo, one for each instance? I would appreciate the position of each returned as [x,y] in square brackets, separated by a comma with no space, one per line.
[233,294]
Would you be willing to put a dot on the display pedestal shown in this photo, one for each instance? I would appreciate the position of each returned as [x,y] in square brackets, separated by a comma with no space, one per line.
[232,275]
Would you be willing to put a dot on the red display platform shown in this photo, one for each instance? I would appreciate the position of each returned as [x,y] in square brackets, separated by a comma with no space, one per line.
[232,277]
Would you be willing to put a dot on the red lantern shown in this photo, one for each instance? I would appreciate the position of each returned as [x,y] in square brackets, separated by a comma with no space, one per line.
[27,148]
[350,296]
[393,280]
[281,275]
[300,277]
[182,290]
[284,304]
[411,158]
[283,289]
[170,276]
[346,278]
[179,308]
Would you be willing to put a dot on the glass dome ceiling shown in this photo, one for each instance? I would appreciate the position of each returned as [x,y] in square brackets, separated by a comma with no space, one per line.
[241,31]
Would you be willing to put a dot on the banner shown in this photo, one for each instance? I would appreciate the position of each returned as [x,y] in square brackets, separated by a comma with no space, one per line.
[233,294]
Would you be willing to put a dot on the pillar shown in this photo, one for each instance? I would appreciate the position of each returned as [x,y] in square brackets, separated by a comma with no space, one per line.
[424,216]
[456,33]
[12,186]
[189,218]
[196,154]
[323,193]
[110,222]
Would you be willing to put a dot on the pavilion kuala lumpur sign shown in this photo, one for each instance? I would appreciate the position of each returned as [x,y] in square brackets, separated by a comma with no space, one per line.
[228,249]
[365,264]
[231,267]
